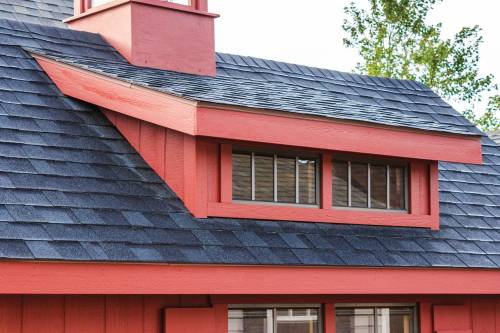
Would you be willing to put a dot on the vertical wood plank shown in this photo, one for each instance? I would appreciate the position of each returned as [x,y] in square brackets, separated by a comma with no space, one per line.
[425,317]
[213,165]
[130,128]
[152,146]
[329,318]
[174,162]
[497,320]
[201,192]
[226,173]
[124,314]
[434,195]
[85,314]
[326,181]
[10,313]
[483,316]
[43,314]
[221,318]
[190,175]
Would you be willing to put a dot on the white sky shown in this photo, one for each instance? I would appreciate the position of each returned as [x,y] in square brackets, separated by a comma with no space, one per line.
[309,32]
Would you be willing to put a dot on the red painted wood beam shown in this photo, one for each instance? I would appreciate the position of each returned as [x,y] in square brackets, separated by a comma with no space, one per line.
[106,278]
[273,127]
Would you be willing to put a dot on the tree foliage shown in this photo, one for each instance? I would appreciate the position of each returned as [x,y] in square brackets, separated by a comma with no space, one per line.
[394,40]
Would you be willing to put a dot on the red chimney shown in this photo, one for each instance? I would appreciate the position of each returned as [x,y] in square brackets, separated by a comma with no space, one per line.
[176,35]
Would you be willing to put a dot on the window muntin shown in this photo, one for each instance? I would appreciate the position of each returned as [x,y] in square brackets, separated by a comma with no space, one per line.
[274,178]
[379,319]
[274,320]
[369,185]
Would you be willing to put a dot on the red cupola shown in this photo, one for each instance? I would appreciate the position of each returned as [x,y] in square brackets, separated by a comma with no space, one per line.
[175,35]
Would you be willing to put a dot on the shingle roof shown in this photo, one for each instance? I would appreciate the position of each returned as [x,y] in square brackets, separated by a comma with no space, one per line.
[71,188]
[47,12]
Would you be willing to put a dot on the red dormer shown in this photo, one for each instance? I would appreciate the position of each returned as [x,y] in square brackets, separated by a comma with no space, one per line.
[247,162]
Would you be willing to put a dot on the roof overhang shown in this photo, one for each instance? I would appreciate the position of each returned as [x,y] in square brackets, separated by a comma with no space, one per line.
[107,278]
[257,125]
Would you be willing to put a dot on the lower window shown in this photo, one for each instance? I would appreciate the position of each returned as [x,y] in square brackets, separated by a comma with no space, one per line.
[274,320]
[375,319]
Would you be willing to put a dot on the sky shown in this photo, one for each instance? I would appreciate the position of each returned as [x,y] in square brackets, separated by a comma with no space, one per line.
[309,32]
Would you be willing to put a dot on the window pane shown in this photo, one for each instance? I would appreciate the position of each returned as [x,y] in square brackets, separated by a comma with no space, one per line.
[249,321]
[264,178]
[397,187]
[378,182]
[359,185]
[394,320]
[286,179]
[307,181]
[297,321]
[355,320]
[242,177]
[339,184]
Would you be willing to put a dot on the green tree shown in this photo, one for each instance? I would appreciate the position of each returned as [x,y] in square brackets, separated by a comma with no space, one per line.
[394,40]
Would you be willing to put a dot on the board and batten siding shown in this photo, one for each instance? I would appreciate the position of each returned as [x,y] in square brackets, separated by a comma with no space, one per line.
[193,313]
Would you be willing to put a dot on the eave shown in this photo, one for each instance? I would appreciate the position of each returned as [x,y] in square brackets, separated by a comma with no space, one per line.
[107,278]
[257,125]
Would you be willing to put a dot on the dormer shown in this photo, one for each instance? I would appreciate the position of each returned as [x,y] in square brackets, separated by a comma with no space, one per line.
[263,140]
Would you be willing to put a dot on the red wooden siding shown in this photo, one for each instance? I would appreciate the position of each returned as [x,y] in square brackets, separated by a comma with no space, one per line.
[188,314]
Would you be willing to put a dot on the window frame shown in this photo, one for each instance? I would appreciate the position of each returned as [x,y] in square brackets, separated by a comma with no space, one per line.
[375,306]
[422,203]
[274,307]
[276,153]
[388,163]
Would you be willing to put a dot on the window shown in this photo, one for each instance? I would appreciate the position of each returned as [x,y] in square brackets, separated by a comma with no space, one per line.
[375,320]
[274,178]
[368,185]
[274,320]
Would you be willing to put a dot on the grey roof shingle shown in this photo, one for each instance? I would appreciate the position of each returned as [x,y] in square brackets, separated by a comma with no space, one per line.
[495,136]
[47,12]
[71,187]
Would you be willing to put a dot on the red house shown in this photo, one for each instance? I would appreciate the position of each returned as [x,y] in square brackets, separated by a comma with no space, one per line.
[149,184]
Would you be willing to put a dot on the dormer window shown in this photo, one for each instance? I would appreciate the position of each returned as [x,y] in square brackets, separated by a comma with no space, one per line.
[276,178]
[373,185]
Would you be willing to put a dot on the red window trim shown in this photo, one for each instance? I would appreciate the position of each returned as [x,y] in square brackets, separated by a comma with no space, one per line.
[423,210]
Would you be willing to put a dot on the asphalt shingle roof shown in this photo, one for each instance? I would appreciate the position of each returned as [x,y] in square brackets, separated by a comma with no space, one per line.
[71,188]
[47,12]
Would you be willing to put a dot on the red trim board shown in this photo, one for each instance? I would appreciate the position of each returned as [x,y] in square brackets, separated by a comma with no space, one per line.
[108,278]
